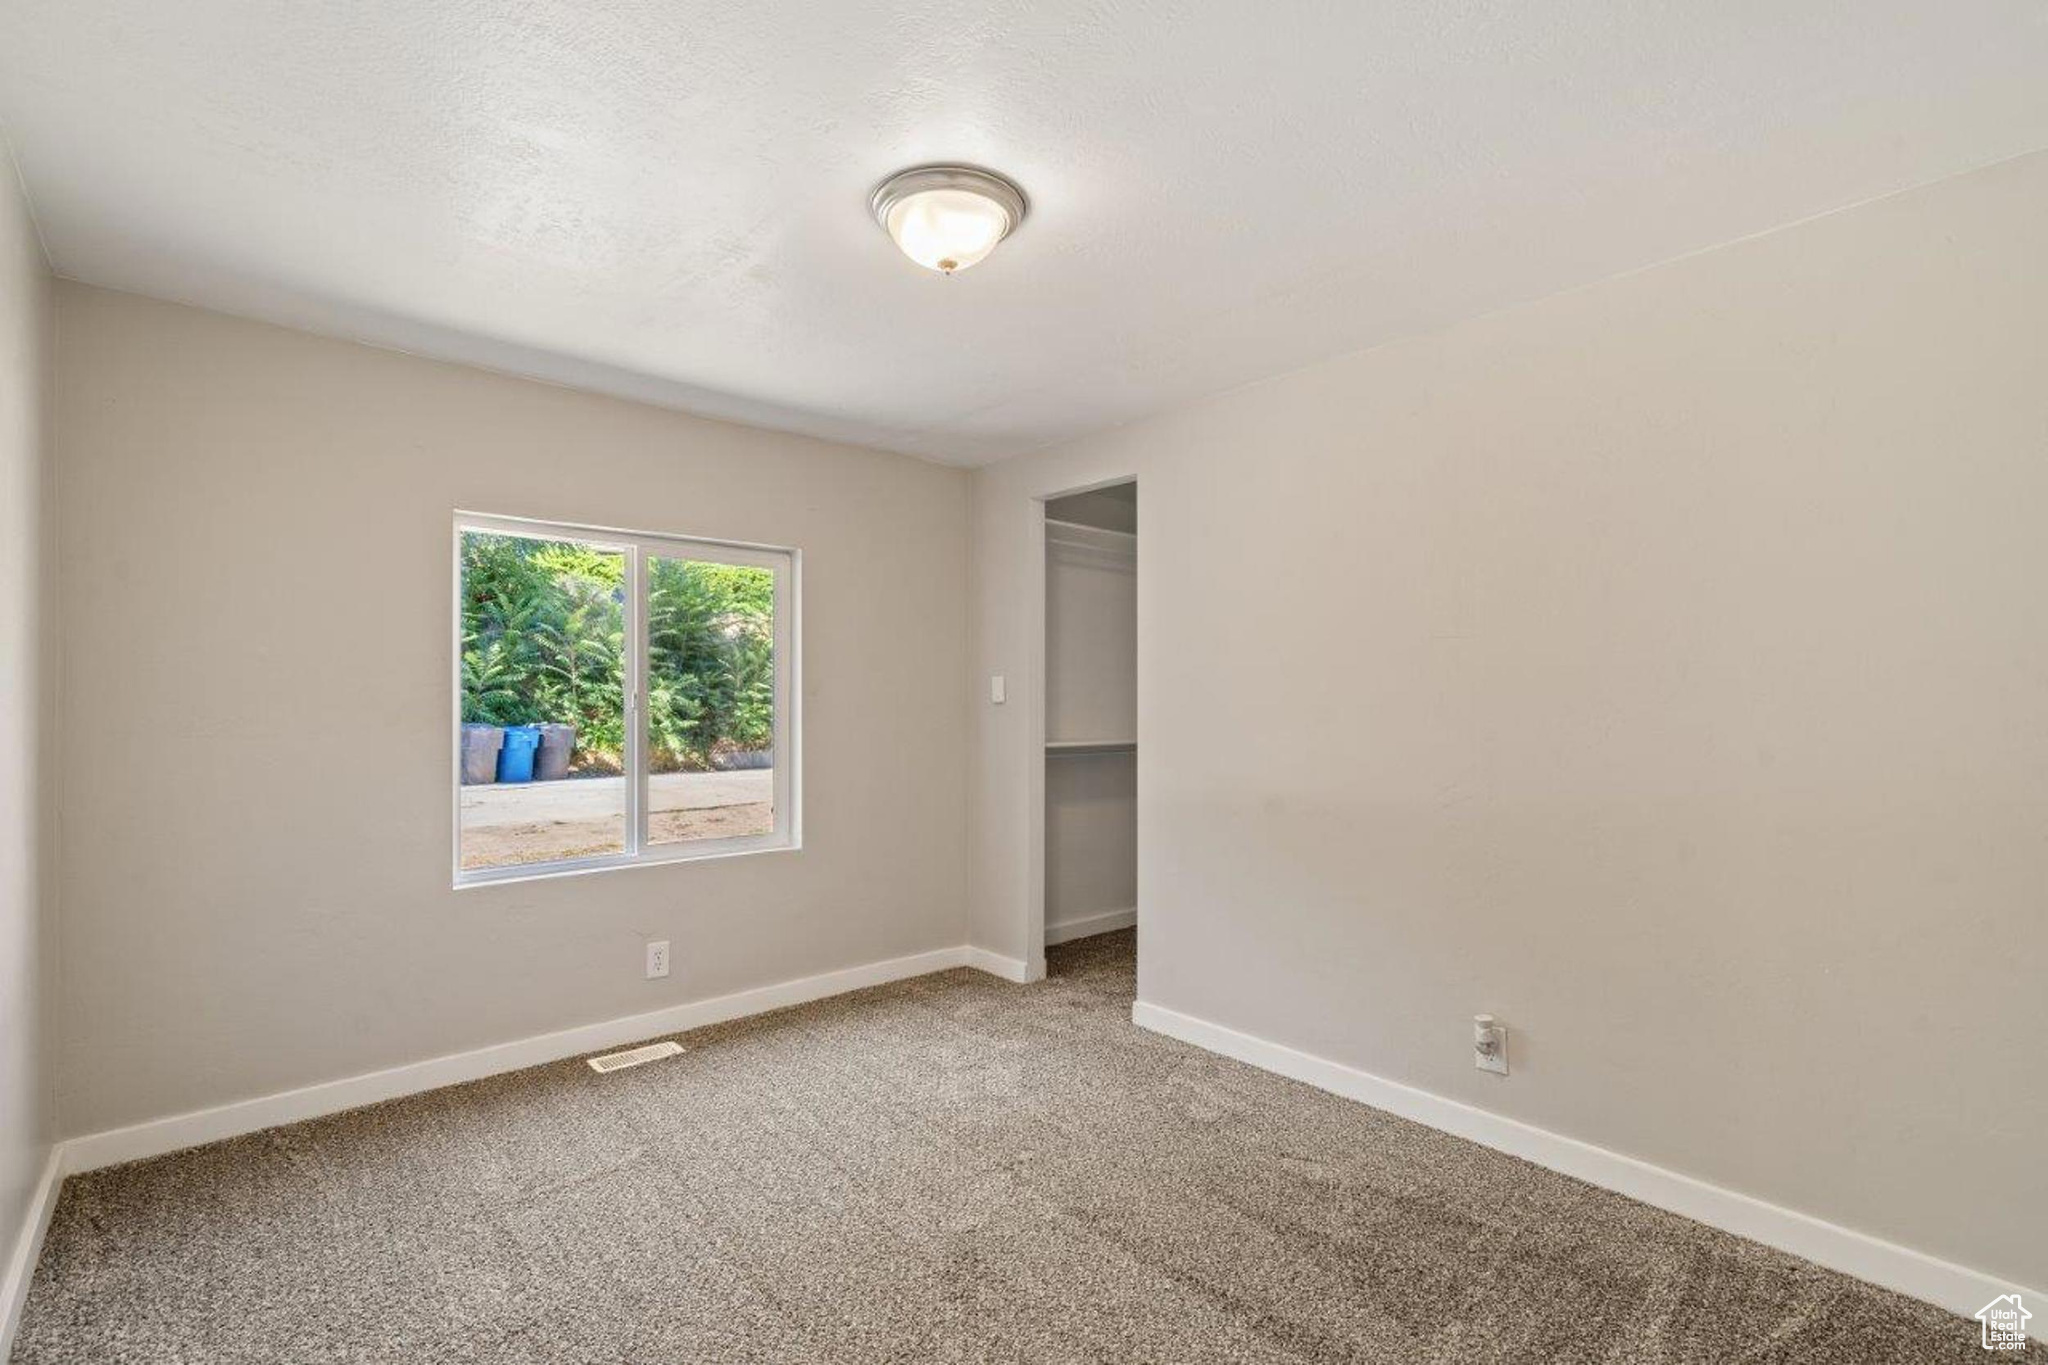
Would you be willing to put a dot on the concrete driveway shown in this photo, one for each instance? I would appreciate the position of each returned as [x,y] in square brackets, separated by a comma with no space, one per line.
[595,798]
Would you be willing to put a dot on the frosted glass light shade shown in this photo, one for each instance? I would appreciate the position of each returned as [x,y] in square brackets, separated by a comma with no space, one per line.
[947,218]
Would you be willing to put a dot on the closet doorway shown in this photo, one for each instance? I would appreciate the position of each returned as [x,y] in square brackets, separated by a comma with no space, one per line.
[1091,713]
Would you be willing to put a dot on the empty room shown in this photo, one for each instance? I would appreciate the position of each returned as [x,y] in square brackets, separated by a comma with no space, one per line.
[1061,683]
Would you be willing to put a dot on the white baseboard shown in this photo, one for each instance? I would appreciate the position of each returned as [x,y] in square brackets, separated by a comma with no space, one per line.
[995,964]
[1887,1264]
[28,1249]
[1107,922]
[180,1131]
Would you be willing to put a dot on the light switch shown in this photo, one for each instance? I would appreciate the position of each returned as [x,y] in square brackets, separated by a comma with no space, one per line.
[998,693]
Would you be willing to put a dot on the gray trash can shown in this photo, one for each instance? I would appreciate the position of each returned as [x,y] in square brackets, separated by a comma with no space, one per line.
[480,745]
[557,744]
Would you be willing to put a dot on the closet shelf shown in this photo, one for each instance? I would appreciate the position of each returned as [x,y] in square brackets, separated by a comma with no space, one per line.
[1091,746]
[1091,530]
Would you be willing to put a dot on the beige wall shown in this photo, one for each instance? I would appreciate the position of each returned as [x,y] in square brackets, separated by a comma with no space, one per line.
[255,538]
[27,837]
[1658,666]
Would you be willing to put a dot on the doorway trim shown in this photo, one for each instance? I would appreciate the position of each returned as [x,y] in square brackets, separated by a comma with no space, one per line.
[1034,885]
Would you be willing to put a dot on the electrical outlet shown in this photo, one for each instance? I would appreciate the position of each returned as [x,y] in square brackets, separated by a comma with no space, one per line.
[1489,1044]
[657,958]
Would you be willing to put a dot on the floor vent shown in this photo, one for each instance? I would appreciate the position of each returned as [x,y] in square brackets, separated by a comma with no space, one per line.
[635,1056]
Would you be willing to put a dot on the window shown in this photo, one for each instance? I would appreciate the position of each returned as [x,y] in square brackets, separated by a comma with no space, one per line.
[621,698]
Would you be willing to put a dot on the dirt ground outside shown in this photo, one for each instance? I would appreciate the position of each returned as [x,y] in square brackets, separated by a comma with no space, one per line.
[513,824]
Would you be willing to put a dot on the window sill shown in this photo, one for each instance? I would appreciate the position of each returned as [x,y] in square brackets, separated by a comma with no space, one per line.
[709,849]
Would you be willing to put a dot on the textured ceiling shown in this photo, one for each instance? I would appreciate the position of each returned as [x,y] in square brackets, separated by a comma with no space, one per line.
[667,199]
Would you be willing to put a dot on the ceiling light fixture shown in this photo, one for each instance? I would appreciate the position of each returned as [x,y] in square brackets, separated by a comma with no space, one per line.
[947,218]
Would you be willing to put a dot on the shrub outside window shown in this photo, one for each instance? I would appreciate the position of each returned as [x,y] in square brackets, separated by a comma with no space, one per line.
[621,697]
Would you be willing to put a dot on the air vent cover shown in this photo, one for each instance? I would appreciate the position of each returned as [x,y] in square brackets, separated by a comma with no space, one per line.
[635,1056]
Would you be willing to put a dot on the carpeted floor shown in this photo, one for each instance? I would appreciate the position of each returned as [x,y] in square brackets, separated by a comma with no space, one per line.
[948,1169]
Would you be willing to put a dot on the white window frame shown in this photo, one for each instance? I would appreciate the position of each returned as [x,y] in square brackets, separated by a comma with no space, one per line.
[638,547]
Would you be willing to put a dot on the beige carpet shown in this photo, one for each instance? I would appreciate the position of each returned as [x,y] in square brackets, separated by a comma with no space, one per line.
[949,1169]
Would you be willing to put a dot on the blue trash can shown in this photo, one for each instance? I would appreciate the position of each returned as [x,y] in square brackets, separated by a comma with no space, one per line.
[515,760]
